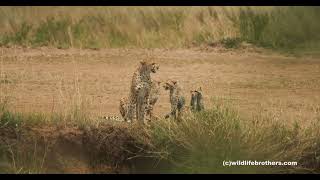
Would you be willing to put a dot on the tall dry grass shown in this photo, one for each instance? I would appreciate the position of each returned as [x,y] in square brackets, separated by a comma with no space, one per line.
[198,144]
[202,141]
[285,28]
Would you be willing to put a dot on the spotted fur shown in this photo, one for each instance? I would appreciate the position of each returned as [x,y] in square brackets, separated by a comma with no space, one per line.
[154,95]
[177,101]
[196,103]
[140,91]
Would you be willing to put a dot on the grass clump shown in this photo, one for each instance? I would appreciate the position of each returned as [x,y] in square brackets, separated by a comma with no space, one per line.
[201,142]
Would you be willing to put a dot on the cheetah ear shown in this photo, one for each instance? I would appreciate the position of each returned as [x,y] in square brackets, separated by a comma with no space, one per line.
[174,82]
[200,88]
[143,62]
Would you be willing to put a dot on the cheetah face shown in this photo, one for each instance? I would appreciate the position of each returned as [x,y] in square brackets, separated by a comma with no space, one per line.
[149,67]
[170,85]
[155,67]
[193,93]
[166,86]
[196,92]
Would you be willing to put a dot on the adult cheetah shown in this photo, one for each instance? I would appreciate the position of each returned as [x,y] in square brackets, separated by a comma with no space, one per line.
[177,101]
[140,90]
[153,98]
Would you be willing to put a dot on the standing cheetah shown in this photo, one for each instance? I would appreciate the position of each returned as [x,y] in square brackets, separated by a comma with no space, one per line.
[153,98]
[196,102]
[140,90]
[177,101]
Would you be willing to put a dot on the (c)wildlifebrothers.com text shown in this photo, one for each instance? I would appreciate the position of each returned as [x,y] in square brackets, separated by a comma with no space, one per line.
[258,163]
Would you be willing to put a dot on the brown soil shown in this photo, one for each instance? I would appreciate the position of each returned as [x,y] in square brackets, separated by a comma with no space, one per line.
[108,148]
[54,80]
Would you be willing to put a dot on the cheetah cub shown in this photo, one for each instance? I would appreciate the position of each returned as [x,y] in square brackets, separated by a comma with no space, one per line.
[196,103]
[177,101]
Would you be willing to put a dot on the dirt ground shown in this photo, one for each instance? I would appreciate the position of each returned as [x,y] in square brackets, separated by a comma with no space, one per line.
[108,148]
[52,80]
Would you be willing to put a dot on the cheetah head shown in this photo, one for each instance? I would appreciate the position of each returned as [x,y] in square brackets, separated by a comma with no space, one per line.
[196,92]
[155,67]
[149,66]
[170,85]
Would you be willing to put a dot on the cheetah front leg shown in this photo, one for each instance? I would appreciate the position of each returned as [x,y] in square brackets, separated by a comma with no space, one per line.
[146,107]
[172,113]
[130,113]
[180,107]
[149,112]
[180,113]
[140,110]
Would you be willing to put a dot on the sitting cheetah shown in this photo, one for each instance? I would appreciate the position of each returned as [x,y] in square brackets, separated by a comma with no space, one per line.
[154,95]
[177,101]
[196,102]
[140,91]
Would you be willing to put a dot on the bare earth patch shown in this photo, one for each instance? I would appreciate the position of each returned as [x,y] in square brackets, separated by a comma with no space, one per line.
[50,80]
[54,80]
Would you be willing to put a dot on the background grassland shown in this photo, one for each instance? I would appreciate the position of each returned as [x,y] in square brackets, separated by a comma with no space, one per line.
[279,28]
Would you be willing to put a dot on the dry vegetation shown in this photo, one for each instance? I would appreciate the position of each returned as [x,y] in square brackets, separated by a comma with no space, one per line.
[260,105]
[289,29]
